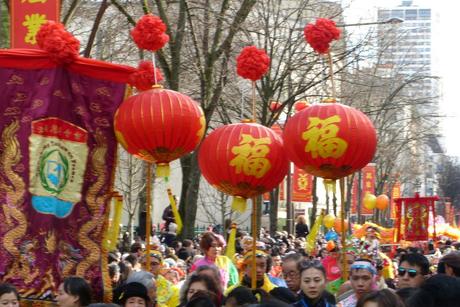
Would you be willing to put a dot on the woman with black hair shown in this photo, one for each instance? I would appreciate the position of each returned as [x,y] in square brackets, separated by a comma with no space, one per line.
[9,296]
[313,285]
[73,292]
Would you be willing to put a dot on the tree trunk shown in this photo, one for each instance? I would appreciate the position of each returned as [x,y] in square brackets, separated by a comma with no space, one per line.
[314,208]
[274,205]
[189,196]
[334,203]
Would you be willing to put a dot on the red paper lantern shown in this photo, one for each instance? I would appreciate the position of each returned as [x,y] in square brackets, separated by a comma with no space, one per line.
[330,140]
[159,126]
[243,160]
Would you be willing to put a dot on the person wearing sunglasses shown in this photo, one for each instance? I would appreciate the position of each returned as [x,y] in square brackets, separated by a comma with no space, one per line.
[412,271]
[167,292]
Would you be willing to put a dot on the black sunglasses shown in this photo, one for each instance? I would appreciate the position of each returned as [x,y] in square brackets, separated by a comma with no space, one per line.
[412,273]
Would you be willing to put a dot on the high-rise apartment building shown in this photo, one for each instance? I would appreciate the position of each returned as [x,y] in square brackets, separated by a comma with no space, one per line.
[406,50]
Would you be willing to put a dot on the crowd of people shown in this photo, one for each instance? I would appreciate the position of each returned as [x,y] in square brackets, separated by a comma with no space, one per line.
[199,273]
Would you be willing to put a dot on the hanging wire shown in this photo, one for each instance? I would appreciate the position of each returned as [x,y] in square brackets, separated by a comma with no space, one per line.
[331,75]
[154,69]
[253,101]
[145,7]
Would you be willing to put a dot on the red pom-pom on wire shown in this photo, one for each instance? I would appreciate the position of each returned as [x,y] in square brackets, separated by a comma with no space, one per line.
[321,34]
[61,46]
[149,33]
[144,78]
[252,63]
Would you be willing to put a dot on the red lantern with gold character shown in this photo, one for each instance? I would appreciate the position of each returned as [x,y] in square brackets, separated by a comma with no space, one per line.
[159,126]
[330,140]
[243,160]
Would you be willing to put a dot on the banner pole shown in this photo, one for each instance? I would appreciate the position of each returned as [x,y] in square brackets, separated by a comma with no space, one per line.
[148,221]
[343,232]
[254,246]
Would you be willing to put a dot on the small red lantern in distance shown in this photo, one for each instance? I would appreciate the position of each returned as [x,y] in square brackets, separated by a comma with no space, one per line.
[330,140]
[243,160]
[159,126]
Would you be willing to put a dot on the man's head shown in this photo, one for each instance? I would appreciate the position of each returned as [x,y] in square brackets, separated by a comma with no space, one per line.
[156,262]
[413,270]
[291,271]
[362,274]
[261,264]
[450,264]
[188,244]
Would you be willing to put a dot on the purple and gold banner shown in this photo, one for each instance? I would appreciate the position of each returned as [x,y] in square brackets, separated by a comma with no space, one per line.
[57,156]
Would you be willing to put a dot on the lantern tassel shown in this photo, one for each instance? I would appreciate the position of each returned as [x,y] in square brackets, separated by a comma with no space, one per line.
[172,201]
[163,170]
[239,204]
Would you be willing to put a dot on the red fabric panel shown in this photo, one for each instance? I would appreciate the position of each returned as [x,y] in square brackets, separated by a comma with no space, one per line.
[38,59]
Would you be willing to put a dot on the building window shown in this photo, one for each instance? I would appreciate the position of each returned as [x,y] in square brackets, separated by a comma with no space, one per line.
[424,13]
[411,15]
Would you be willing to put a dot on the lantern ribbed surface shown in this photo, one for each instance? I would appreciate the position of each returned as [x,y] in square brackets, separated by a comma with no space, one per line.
[330,140]
[244,159]
[159,125]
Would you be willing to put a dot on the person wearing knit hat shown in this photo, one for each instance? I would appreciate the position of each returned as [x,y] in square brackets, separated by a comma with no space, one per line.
[134,294]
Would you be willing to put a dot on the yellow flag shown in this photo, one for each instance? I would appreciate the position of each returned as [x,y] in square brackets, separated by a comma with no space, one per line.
[177,217]
[230,251]
[311,237]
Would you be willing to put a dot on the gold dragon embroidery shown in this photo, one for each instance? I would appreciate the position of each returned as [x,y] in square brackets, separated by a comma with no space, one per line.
[95,204]
[14,217]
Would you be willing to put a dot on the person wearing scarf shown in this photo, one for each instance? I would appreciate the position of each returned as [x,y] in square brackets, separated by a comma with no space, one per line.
[313,286]
[363,280]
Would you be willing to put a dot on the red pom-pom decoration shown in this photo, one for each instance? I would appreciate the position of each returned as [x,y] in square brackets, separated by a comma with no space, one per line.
[321,34]
[144,77]
[149,33]
[61,45]
[252,63]
[275,105]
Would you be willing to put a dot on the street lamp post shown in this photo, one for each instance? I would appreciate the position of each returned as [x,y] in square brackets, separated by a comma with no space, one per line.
[392,21]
